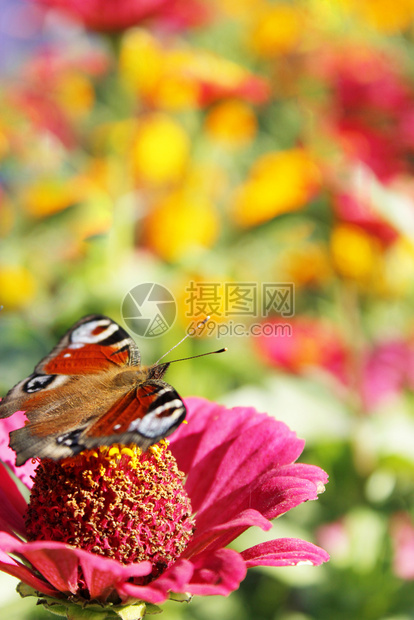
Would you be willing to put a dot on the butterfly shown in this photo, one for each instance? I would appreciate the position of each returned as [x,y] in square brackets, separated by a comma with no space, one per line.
[92,390]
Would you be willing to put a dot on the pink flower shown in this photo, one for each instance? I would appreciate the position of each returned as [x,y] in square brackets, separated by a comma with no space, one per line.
[303,343]
[388,369]
[402,535]
[240,472]
[107,15]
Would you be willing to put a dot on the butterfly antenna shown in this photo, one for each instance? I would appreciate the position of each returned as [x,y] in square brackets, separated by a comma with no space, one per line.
[193,357]
[185,338]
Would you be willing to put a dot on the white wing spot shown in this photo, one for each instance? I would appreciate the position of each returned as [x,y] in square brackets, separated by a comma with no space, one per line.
[84,333]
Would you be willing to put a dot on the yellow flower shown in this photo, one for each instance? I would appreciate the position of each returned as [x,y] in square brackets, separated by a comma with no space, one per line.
[356,255]
[277,29]
[160,151]
[279,182]
[231,122]
[141,60]
[181,224]
[17,287]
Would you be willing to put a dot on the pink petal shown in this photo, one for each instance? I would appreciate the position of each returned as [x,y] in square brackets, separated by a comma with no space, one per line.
[222,450]
[217,573]
[284,552]
[59,563]
[8,456]
[12,504]
[55,564]
[272,495]
[175,579]
[221,535]
[12,567]
[24,574]
[102,575]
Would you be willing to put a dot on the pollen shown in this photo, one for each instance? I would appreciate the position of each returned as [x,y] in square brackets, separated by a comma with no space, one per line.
[114,501]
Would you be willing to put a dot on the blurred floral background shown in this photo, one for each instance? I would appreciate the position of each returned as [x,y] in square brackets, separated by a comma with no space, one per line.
[215,147]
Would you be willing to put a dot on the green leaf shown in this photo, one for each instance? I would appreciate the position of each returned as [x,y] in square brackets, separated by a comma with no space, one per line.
[137,610]
[132,612]
[24,590]
[181,597]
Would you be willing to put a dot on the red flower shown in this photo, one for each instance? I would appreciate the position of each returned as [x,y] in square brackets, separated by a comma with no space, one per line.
[107,15]
[241,472]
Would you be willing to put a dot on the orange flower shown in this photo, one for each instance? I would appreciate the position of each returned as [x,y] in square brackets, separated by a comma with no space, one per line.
[232,123]
[279,182]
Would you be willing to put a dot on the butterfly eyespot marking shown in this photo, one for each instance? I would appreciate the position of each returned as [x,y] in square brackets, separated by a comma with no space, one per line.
[37,383]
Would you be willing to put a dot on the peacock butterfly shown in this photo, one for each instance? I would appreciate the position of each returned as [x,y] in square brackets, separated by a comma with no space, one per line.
[91,390]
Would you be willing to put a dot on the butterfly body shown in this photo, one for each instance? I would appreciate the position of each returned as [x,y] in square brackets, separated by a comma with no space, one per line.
[91,390]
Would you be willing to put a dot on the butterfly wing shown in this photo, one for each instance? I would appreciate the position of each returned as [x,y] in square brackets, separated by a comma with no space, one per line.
[94,344]
[143,416]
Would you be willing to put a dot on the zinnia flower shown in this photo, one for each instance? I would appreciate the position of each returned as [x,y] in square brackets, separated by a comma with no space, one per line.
[107,16]
[80,542]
